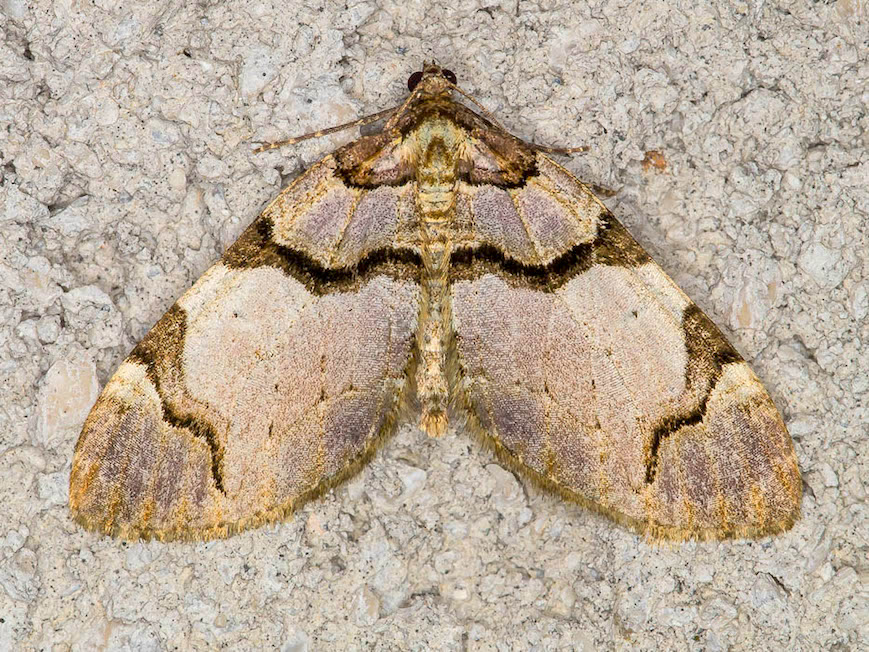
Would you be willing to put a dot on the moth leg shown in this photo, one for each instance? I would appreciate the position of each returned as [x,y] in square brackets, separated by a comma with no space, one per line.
[361,122]
[559,150]
[604,191]
[487,115]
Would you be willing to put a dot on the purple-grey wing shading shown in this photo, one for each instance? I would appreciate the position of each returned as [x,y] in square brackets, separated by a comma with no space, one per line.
[272,379]
[594,374]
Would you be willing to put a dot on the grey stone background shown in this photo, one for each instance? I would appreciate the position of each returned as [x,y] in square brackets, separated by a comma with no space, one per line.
[126,163]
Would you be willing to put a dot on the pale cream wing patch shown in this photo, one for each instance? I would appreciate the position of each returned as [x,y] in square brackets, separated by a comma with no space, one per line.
[269,381]
[598,376]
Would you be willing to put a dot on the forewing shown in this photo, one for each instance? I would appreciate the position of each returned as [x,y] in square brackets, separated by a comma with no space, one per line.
[600,378]
[273,378]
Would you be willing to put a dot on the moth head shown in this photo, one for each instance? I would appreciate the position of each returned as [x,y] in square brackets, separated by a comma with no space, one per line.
[434,79]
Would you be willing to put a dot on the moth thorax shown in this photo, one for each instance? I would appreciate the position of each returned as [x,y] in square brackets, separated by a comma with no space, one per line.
[435,144]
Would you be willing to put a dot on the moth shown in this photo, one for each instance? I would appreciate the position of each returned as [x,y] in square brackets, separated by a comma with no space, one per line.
[442,270]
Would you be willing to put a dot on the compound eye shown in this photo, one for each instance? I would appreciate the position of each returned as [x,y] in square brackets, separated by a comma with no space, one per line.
[450,76]
[413,80]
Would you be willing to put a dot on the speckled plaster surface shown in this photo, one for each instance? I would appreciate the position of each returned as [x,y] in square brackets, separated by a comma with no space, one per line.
[126,163]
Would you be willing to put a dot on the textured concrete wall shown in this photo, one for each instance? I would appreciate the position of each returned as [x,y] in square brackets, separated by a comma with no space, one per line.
[126,165]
